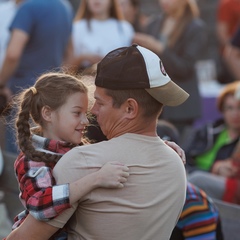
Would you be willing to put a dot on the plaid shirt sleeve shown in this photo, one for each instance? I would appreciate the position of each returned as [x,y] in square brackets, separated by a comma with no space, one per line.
[43,199]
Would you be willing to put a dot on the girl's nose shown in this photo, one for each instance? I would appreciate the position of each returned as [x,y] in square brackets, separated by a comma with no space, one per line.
[84,121]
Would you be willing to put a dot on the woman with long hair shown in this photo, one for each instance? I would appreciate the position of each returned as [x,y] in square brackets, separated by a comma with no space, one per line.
[98,28]
[178,36]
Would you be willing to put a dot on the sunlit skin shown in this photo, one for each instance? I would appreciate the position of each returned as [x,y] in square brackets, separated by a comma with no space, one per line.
[99,8]
[117,121]
[109,118]
[69,121]
[231,114]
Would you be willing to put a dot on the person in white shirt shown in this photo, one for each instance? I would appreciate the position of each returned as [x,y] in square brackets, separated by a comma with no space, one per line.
[98,28]
[7,12]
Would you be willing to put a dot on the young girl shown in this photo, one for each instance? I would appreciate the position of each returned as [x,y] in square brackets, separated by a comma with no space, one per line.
[57,104]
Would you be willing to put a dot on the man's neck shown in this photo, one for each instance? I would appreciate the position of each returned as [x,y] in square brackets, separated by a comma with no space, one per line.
[142,127]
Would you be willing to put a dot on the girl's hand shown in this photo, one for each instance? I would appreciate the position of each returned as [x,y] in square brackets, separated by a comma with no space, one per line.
[178,150]
[112,175]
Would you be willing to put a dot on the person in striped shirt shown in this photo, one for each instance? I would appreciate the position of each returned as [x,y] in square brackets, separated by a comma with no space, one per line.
[199,218]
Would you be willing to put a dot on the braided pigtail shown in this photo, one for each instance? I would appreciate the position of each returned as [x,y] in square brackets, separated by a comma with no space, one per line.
[24,132]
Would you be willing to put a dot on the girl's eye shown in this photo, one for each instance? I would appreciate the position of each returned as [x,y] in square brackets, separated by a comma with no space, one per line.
[99,104]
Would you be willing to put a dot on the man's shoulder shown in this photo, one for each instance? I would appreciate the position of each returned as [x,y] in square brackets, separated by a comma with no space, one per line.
[95,148]
[28,4]
[87,148]
[44,4]
[124,141]
[26,7]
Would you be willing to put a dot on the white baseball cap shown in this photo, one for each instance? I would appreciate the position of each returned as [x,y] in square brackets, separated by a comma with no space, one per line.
[136,67]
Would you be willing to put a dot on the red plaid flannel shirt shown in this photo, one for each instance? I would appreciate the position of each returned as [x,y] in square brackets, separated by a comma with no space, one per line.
[40,195]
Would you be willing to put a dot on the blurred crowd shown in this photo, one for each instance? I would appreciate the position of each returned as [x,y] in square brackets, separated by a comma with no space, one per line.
[198,42]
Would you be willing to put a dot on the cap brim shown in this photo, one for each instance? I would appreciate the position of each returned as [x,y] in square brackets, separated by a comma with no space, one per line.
[237,92]
[169,94]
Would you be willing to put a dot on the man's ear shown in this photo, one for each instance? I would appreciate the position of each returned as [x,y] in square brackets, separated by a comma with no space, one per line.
[46,113]
[131,108]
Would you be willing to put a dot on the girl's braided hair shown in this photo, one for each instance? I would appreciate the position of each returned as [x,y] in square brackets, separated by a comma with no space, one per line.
[52,90]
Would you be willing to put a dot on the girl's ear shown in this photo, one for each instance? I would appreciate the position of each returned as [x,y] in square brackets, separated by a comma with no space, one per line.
[46,113]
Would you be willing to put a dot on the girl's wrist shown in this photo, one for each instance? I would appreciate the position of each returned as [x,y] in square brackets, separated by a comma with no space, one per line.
[96,180]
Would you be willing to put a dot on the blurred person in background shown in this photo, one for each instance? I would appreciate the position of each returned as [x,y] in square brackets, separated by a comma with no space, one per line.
[178,36]
[39,41]
[132,13]
[98,28]
[232,54]
[213,151]
[7,13]
[200,217]
[228,20]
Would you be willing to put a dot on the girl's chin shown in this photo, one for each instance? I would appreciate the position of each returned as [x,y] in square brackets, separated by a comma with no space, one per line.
[77,141]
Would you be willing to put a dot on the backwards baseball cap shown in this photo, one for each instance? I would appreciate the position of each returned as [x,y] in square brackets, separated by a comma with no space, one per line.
[136,67]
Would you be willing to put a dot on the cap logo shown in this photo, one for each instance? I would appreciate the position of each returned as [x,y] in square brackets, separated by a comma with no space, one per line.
[162,68]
